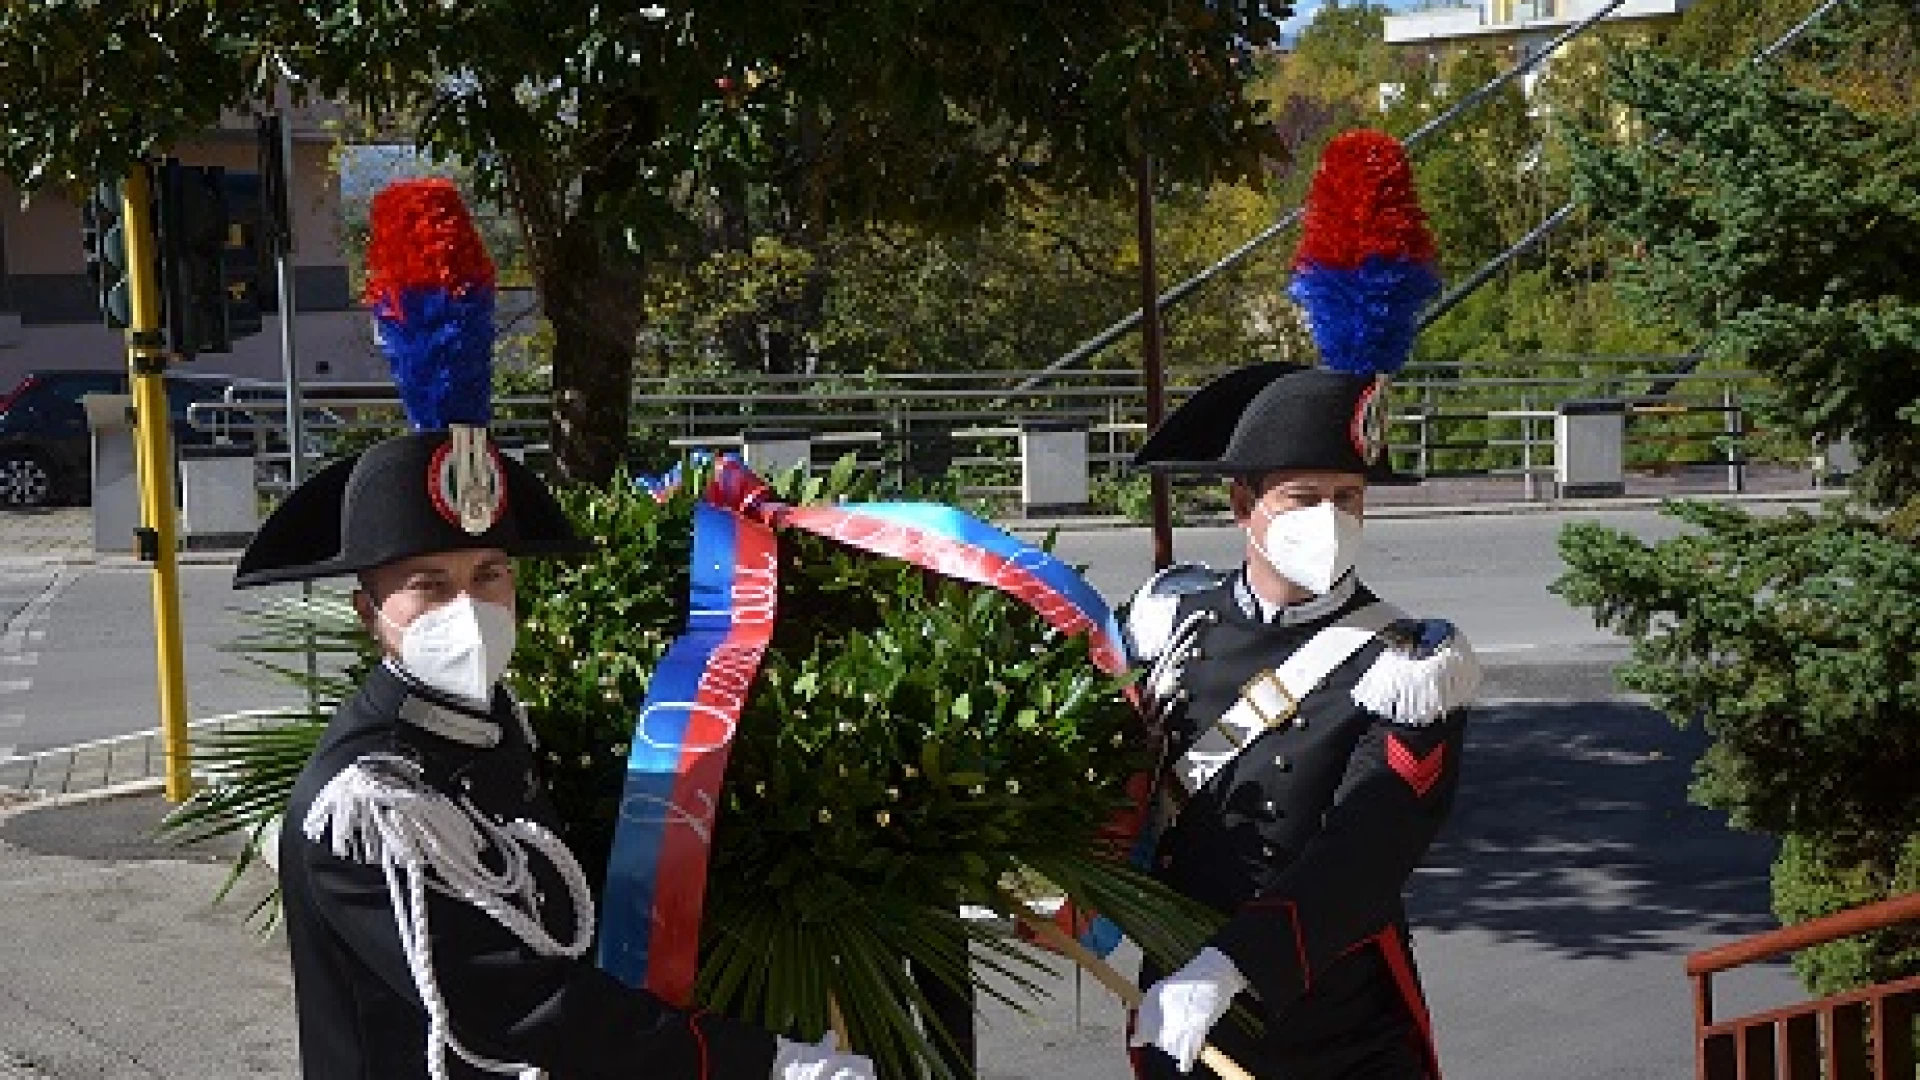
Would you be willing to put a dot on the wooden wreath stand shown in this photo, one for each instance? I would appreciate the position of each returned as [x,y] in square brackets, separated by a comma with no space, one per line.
[1057,939]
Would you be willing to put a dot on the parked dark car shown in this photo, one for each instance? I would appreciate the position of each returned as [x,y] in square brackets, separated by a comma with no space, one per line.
[46,450]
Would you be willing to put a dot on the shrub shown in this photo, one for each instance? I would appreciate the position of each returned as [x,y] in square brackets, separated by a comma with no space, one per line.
[911,745]
[1795,642]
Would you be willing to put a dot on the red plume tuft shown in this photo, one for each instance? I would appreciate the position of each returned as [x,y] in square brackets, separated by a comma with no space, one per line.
[422,238]
[1362,203]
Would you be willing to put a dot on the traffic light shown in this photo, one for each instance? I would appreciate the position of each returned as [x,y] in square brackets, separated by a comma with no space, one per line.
[242,264]
[193,248]
[103,228]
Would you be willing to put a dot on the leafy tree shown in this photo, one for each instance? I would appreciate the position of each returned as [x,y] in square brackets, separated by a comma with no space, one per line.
[598,126]
[1776,224]
[1867,54]
[1779,226]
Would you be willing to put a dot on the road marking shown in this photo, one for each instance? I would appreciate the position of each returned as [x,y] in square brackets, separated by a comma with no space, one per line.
[20,630]
[10,725]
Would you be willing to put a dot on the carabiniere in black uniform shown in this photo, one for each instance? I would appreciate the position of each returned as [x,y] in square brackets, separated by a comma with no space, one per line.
[1307,834]
[362,1013]
[437,924]
[1310,753]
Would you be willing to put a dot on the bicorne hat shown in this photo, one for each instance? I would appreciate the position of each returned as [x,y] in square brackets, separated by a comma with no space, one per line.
[445,486]
[1362,273]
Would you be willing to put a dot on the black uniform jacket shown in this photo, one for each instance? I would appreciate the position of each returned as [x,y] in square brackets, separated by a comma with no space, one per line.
[1307,836]
[361,1013]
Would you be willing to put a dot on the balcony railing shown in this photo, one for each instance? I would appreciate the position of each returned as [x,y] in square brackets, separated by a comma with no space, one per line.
[1861,1035]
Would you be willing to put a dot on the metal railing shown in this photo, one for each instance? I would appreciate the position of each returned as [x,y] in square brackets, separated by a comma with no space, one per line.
[1448,420]
[1863,1035]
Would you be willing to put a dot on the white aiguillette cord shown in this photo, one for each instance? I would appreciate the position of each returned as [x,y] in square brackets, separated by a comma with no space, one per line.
[380,811]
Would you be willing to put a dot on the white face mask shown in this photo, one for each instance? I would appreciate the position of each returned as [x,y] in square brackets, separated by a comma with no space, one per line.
[1313,546]
[459,648]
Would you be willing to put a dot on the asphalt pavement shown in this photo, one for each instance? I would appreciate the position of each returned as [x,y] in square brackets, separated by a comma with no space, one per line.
[1551,919]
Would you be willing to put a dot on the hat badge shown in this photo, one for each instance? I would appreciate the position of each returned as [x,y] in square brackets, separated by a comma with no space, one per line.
[1368,429]
[466,481]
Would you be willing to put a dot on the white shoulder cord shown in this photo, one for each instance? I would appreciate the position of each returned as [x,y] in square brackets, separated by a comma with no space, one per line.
[1161,686]
[381,812]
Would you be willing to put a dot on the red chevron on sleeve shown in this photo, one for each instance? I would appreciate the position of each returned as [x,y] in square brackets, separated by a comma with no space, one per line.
[1420,773]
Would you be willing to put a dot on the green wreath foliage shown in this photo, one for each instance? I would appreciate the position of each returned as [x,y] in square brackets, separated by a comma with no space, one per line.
[912,746]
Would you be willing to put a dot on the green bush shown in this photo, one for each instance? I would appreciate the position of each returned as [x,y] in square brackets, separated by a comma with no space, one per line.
[1775,226]
[1794,641]
[1818,875]
[911,745]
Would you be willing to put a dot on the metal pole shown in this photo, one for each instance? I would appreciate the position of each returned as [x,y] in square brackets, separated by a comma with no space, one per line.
[1154,365]
[1526,446]
[1736,441]
[281,236]
[1492,266]
[155,540]
[276,150]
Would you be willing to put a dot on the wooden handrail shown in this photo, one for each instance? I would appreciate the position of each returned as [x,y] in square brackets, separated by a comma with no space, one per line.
[1859,920]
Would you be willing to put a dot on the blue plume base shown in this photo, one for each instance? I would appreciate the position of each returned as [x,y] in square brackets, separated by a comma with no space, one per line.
[439,346]
[1364,319]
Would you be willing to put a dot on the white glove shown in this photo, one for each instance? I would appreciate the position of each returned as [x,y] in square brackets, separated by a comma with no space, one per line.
[1177,1012]
[818,1061]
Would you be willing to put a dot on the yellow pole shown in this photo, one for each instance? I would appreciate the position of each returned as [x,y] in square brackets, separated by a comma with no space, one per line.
[153,436]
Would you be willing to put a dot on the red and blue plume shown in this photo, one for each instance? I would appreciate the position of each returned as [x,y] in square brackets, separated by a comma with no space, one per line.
[1365,265]
[431,287]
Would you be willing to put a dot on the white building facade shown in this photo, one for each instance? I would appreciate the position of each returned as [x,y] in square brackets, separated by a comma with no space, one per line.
[1523,26]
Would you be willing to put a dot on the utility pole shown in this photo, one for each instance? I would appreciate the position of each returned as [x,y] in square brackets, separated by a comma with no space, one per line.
[153,440]
[276,222]
[1154,364]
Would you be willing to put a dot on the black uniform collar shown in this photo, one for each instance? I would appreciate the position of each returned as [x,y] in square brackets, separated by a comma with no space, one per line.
[1320,607]
[393,692]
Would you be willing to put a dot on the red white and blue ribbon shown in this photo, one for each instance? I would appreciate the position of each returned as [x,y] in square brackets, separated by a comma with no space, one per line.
[657,871]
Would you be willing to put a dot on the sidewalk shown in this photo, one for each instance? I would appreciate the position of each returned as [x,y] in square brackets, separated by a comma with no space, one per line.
[118,963]
[115,962]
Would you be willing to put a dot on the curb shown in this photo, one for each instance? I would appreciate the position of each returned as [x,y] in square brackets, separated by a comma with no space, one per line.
[21,801]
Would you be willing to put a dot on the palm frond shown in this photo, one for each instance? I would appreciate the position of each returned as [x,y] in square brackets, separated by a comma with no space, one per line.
[250,771]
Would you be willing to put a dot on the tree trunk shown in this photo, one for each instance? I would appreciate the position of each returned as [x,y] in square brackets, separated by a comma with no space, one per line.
[591,293]
[593,304]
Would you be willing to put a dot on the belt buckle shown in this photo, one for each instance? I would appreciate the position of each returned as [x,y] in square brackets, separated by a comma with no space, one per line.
[1272,679]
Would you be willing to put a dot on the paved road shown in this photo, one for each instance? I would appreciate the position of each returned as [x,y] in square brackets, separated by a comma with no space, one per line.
[77,659]
[77,662]
[1552,916]
[1551,921]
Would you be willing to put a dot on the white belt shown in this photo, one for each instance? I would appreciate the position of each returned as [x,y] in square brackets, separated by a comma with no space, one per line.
[1272,697]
